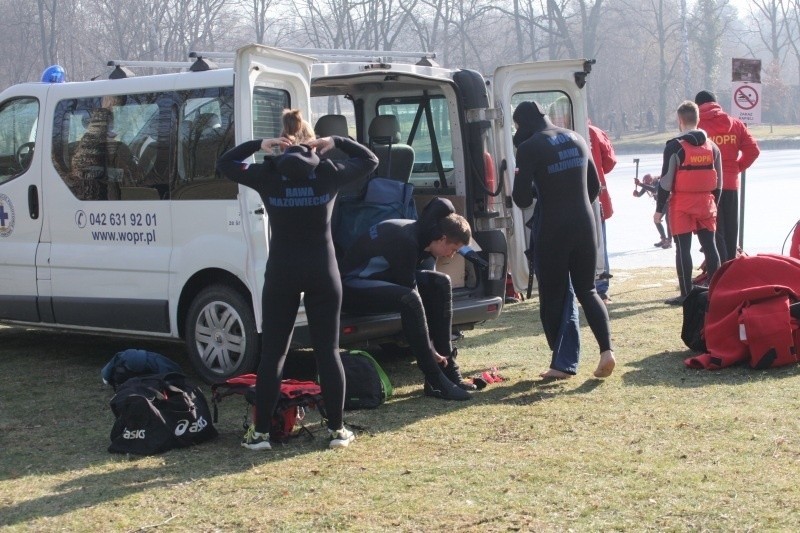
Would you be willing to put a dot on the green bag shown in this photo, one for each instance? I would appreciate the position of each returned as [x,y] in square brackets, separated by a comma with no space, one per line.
[367,385]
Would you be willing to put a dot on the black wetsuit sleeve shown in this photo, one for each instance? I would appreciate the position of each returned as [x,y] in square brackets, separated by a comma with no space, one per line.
[524,191]
[231,164]
[672,155]
[361,162]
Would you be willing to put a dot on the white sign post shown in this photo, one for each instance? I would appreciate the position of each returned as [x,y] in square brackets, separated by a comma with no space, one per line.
[746,102]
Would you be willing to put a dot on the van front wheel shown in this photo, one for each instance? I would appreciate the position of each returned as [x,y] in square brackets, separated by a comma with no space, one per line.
[221,335]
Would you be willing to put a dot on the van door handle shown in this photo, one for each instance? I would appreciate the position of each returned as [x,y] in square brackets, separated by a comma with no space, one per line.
[33,201]
[259,211]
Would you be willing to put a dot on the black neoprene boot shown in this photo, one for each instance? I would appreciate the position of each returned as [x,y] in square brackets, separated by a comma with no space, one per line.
[439,386]
[454,374]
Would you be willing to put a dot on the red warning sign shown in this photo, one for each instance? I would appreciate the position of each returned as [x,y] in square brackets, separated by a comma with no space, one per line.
[746,102]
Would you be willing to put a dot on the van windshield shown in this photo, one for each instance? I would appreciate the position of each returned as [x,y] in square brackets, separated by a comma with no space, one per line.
[18,120]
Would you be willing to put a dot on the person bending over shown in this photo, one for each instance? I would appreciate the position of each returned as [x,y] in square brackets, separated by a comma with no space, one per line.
[385,271]
[298,191]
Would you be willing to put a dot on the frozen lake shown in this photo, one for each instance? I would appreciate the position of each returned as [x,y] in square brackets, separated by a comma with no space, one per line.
[772,207]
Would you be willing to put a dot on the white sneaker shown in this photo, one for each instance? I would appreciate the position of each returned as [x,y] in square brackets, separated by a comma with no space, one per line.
[341,438]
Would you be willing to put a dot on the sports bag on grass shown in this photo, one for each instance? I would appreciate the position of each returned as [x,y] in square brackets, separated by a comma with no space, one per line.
[156,413]
[367,385]
[295,398]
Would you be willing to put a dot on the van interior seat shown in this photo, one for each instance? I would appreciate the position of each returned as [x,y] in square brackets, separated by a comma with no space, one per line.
[396,160]
[328,125]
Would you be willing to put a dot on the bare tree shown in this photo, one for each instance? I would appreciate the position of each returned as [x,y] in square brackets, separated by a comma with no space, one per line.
[708,25]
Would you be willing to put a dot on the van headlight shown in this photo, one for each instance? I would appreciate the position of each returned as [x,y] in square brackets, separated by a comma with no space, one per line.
[496,264]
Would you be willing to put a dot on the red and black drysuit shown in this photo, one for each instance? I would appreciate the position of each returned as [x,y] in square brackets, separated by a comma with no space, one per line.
[738,150]
[691,177]
[749,316]
[298,191]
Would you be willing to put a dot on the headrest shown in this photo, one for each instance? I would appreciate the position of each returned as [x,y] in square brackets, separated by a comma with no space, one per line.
[297,161]
[208,120]
[384,129]
[331,125]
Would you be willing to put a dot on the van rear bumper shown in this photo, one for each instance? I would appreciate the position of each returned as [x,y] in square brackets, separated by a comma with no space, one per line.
[357,329]
[377,329]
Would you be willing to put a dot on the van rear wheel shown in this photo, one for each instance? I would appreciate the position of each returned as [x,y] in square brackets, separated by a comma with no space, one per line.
[221,335]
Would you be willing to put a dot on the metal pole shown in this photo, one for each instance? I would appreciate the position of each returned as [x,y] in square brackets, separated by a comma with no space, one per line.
[741,213]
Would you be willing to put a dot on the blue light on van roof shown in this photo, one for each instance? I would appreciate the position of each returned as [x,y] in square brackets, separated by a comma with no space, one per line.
[54,74]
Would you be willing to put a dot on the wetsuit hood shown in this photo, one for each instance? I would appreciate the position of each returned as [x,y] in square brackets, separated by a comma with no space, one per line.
[297,162]
[714,118]
[428,223]
[530,118]
[693,137]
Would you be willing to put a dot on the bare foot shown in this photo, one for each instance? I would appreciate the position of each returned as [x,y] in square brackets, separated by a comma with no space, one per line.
[552,373]
[606,365]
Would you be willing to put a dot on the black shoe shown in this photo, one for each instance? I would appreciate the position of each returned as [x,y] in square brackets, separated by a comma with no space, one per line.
[678,300]
[452,372]
[443,388]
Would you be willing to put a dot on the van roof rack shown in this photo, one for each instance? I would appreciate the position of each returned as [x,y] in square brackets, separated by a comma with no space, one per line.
[326,55]
[201,61]
[122,67]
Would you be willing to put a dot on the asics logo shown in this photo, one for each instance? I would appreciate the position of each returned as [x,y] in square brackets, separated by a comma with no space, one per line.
[196,427]
[132,434]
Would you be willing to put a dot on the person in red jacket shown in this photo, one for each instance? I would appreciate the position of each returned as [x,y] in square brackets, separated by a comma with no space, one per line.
[738,150]
[605,160]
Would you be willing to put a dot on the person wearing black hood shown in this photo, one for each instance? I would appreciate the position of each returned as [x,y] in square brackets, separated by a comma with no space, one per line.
[554,167]
[389,269]
[298,191]
[691,179]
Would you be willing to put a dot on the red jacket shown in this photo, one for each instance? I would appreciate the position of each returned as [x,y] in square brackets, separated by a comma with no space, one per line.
[605,161]
[748,315]
[731,136]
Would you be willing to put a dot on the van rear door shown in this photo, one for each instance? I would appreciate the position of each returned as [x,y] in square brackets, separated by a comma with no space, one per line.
[262,76]
[558,86]
[20,203]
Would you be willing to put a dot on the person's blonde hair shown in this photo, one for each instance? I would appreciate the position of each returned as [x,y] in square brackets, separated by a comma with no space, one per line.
[689,113]
[295,128]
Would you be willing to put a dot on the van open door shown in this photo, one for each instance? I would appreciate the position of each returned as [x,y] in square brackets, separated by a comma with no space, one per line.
[559,87]
[266,80]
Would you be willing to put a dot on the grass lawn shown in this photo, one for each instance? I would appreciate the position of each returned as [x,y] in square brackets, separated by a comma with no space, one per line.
[654,447]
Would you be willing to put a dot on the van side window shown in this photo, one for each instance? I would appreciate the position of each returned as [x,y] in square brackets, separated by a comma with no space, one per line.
[18,120]
[205,132]
[268,106]
[106,147]
[425,126]
[557,104]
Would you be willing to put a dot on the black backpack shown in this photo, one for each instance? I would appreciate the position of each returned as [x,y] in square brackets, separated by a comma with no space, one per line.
[694,316]
[156,413]
[367,385]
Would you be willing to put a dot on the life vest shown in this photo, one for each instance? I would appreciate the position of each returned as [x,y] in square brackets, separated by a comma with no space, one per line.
[696,173]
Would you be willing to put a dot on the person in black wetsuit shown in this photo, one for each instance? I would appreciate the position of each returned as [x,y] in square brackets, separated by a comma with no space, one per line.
[390,269]
[554,166]
[298,192]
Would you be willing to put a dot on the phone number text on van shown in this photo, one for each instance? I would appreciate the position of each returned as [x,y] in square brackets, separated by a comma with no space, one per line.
[116,219]
[122,227]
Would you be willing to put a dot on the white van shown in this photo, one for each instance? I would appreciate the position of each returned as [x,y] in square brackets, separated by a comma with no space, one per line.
[114,221]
